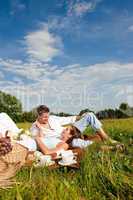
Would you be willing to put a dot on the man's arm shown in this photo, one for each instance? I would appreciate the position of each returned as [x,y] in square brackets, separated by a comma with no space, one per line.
[78,117]
[35,131]
[65,120]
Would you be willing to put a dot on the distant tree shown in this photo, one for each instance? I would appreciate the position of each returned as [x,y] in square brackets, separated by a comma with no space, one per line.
[103,114]
[119,114]
[111,113]
[29,116]
[62,114]
[126,109]
[123,106]
[84,111]
[11,105]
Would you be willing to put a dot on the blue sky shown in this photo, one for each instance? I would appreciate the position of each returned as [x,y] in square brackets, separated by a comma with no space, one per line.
[67,54]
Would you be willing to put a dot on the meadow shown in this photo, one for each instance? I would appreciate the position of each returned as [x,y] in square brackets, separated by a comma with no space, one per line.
[102,175]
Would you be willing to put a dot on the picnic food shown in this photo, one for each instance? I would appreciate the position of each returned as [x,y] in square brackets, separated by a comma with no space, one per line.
[5,145]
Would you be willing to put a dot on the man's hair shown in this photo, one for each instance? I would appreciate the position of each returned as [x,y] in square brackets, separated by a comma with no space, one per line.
[42,109]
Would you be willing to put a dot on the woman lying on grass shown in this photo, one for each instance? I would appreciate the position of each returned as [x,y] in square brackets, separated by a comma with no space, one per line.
[69,134]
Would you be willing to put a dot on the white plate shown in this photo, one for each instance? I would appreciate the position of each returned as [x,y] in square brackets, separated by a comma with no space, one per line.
[50,163]
[44,164]
[68,163]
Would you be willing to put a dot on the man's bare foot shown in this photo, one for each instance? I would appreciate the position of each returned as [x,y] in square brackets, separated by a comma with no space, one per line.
[106,148]
[112,141]
[54,155]
[118,147]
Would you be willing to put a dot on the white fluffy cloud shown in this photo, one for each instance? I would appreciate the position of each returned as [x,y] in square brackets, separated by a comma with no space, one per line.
[79,8]
[16,7]
[1,76]
[27,70]
[72,87]
[130,28]
[42,45]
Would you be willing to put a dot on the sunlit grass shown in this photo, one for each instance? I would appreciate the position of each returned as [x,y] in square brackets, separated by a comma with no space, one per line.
[101,175]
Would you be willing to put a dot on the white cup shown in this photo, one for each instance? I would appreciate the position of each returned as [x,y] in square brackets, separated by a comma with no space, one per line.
[68,156]
[45,159]
[67,153]
[37,154]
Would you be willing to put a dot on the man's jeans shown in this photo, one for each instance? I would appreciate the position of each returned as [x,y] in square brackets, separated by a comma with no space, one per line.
[88,119]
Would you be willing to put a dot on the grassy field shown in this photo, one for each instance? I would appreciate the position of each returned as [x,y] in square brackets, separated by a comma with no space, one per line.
[101,175]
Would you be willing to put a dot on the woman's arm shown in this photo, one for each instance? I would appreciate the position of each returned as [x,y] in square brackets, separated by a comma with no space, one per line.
[48,151]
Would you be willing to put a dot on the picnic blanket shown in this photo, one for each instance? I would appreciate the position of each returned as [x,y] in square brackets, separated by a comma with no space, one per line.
[7,124]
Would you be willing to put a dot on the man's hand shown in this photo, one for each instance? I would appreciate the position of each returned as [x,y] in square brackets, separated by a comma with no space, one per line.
[53,155]
[78,117]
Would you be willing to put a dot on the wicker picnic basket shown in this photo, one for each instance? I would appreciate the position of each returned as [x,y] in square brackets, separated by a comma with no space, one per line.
[11,163]
[3,165]
[18,154]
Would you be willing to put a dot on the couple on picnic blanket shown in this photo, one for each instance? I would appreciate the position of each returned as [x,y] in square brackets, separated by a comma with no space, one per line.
[52,134]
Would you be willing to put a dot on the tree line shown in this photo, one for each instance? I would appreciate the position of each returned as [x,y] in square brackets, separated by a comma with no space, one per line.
[13,107]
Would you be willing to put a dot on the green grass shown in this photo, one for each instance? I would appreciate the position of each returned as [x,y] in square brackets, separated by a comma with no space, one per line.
[101,175]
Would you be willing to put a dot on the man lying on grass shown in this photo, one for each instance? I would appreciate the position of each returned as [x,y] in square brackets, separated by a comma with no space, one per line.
[51,136]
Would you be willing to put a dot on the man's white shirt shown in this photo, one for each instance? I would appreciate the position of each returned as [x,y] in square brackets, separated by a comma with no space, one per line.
[56,126]
[51,136]
[56,123]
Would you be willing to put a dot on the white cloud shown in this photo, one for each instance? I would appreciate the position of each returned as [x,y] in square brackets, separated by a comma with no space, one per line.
[28,70]
[74,87]
[130,28]
[43,45]
[72,23]
[16,7]
[80,8]
[1,76]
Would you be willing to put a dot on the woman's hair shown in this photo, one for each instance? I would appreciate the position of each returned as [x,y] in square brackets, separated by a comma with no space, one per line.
[75,134]
[42,109]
